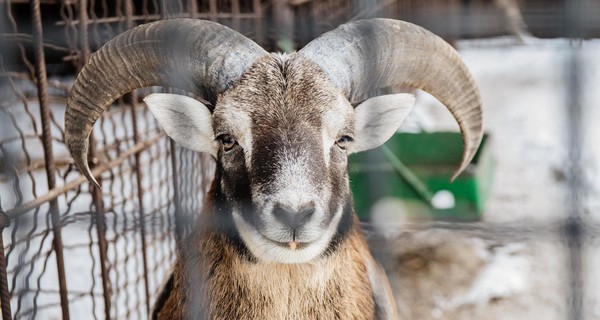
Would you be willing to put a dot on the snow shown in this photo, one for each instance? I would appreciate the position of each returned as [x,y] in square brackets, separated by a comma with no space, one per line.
[493,281]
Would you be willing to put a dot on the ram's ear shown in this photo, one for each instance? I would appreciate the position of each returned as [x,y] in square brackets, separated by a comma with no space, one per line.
[185,120]
[378,118]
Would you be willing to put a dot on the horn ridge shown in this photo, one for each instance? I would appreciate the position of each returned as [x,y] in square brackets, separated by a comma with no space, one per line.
[363,56]
[201,57]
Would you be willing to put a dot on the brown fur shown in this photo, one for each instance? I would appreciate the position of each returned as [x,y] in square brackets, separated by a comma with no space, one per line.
[232,287]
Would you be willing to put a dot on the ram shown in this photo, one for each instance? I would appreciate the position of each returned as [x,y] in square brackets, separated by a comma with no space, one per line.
[278,237]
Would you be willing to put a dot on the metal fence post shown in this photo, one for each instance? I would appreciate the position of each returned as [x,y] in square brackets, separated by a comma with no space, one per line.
[96,193]
[284,23]
[42,87]
[574,227]
[257,8]
[179,226]
[4,293]
[138,172]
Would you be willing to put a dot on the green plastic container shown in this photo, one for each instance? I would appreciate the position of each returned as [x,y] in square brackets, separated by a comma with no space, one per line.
[433,158]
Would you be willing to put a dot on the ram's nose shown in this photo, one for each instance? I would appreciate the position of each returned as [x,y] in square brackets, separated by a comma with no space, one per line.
[294,219]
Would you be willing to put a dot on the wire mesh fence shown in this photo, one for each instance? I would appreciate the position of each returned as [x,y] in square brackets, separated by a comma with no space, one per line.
[124,235]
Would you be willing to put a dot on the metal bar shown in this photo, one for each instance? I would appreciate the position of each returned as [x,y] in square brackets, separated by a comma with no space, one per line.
[142,212]
[258,21]
[83,32]
[176,196]
[192,9]
[235,10]
[96,192]
[42,1]
[138,172]
[412,179]
[284,23]
[102,243]
[212,10]
[574,225]
[27,38]
[98,219]
[164,6]
[200,15]
[42,87]
[4,293]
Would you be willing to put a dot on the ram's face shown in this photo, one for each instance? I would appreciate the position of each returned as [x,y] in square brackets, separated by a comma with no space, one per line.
[281,127]
[281,136]
[283,133]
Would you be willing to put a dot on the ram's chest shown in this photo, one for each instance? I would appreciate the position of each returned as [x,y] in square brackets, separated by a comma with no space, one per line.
[333,288]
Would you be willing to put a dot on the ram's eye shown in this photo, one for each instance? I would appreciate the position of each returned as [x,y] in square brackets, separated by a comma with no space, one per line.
[343,142]
[227,141]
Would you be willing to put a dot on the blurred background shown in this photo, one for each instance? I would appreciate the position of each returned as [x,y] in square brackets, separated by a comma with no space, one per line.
[515,237]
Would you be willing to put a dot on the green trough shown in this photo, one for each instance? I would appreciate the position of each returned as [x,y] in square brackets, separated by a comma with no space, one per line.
[431,159]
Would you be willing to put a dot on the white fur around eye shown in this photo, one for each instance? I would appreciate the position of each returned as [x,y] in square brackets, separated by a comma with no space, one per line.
[378,118]
[185,120]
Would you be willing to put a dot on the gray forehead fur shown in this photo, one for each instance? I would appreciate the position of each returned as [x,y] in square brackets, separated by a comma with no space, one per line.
[280,90]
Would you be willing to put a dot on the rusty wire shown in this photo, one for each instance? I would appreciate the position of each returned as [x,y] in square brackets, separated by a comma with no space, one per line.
[120,156]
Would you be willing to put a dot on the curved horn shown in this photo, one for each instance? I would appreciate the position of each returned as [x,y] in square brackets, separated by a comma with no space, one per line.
[200,57]
[363,56]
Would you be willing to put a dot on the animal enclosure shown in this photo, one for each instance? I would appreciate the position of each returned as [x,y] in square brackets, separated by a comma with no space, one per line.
[72,251]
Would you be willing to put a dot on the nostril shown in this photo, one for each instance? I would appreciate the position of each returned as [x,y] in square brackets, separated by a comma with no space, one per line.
[292,218]
[305,213]
[284,215]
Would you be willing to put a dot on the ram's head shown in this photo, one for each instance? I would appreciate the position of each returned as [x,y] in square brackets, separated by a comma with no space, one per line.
[280,126]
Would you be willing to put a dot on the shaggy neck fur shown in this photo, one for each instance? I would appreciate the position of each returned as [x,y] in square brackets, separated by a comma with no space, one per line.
[219,278]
